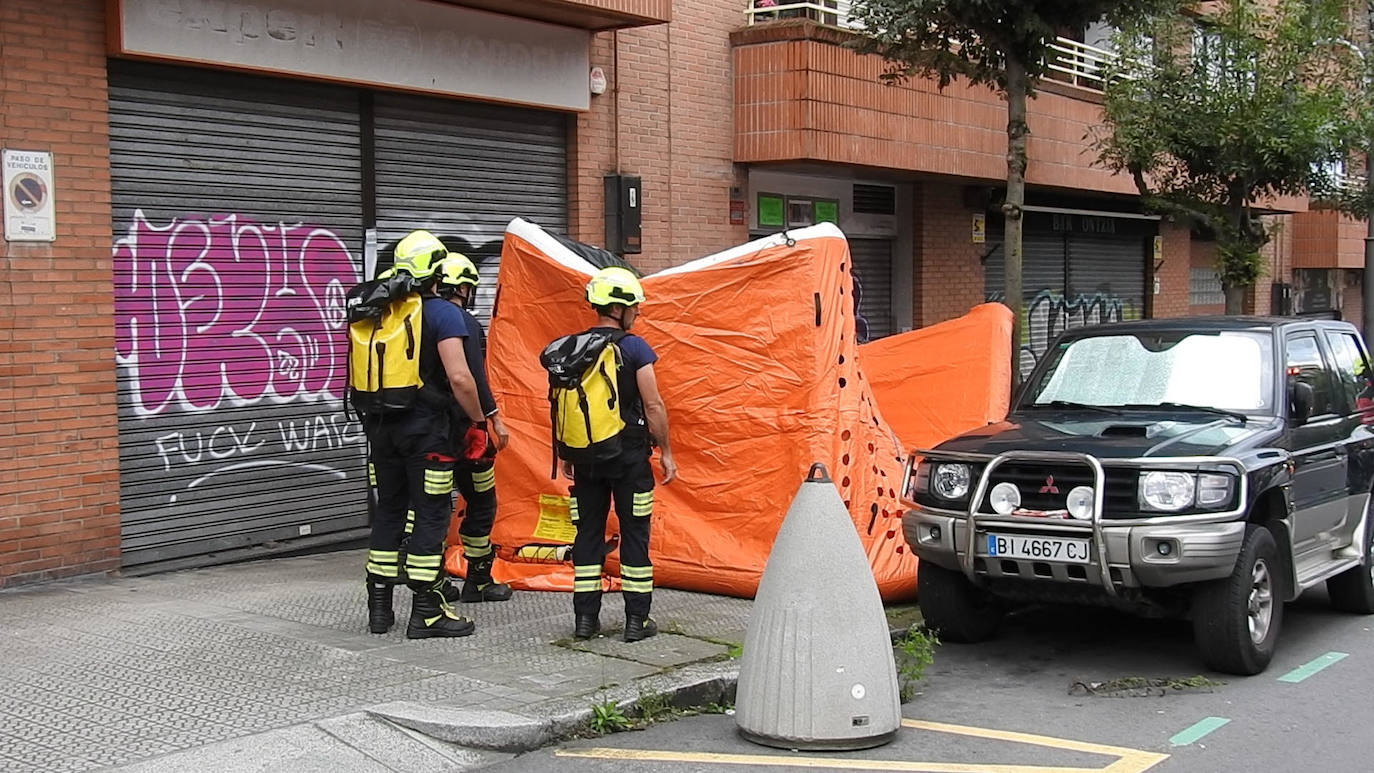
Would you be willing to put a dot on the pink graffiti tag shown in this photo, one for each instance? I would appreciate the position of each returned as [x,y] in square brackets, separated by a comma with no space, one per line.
[224,309]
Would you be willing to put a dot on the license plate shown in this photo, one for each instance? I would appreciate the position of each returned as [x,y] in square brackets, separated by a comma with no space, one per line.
[1071,551]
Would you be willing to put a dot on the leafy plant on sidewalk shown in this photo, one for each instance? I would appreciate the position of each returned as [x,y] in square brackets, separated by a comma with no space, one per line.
[608,718]
[915,651]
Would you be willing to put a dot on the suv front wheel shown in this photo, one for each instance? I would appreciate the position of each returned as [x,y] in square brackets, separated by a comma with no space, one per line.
[1236,621]
[953,607]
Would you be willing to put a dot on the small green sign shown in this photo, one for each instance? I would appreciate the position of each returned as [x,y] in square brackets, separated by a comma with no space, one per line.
[827,212]
[770,210]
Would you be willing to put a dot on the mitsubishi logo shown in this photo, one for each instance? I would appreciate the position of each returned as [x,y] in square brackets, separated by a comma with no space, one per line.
[1049,487]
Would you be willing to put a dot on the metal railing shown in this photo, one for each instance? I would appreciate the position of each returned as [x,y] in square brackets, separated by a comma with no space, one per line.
[833,13]
[1072,62]
[1084,65]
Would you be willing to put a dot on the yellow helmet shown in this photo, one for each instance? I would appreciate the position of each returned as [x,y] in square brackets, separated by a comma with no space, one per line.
[419,253]
[613,285]
[457,270]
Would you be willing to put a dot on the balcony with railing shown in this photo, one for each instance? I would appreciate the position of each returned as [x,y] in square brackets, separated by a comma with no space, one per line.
[1072,61]
[803,93]
[587,14]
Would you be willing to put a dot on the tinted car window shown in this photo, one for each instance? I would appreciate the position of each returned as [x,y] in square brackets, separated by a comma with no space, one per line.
[1305,365]
[1351,370]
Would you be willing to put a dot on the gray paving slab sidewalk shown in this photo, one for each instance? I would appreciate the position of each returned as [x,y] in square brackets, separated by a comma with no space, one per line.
[266,665]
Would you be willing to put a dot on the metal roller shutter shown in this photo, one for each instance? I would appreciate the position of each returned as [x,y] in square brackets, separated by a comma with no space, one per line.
[1107,277]
[466,170]
[238,227]
[873,272]
[1071,280]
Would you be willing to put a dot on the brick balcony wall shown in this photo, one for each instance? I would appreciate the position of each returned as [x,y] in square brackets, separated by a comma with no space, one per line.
[59,464]
[801,94]
[1328,239]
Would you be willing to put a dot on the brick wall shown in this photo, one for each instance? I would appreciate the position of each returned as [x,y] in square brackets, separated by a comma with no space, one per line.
[674,130]
[1172,274]
[59,470]
[947,277]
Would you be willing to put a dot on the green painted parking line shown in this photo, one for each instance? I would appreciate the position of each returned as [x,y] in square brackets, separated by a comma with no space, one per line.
[1198,730]
[1302,672]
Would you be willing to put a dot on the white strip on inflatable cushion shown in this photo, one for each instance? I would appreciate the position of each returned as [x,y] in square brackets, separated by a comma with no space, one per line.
[541,240]
[821,231]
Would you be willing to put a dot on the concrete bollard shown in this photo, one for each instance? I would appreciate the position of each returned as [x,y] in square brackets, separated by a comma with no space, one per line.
[817,670]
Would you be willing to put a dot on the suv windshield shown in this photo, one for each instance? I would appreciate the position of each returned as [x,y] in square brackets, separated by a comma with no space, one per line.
[1231,371]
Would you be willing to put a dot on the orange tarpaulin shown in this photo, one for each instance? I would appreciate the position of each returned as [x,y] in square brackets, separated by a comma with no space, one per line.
[761,374]
[943,380]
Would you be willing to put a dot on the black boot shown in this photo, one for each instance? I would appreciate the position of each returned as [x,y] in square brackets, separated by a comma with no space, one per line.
[432,617]
[587,626]
[638,628]
[479,586]
[380,614]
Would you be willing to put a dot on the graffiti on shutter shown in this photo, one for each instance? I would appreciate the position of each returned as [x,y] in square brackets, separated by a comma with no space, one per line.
[216,313]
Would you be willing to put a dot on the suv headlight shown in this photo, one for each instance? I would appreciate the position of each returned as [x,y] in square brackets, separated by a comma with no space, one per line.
[950,480]
[1167,492]
[1172,492]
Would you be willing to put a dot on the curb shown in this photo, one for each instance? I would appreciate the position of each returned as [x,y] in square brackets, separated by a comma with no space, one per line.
[512,732]
[699,684]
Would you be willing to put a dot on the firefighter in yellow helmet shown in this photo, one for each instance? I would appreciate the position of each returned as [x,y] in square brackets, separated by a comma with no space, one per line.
[456,281]
[412,458]
[625,479]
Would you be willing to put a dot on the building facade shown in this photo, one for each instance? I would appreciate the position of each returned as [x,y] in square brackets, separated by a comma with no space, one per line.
[222,172]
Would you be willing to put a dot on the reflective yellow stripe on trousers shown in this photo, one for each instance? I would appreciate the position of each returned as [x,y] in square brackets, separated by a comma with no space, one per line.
[643,503]
[636,579]
[476,547]
[587,578]
[438,481]
[484,481]
[383,563]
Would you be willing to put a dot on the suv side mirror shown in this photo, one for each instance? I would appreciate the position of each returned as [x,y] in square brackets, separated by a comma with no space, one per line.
[1300,401]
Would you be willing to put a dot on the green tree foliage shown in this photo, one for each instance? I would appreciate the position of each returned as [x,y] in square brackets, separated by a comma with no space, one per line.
[1003,44]
[1215,115]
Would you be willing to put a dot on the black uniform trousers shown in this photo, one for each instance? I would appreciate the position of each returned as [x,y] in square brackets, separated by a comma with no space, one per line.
[476,481]
[412,462]
[628,482]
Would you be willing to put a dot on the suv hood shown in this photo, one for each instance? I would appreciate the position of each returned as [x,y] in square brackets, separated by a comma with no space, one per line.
[1132,434]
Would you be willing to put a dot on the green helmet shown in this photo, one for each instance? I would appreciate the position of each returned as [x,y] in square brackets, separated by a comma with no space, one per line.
[614,285]
[419,253]
[457,270]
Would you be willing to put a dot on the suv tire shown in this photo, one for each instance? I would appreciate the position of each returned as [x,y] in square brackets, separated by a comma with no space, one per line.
[1353,589]
[1236,620]
[952,607]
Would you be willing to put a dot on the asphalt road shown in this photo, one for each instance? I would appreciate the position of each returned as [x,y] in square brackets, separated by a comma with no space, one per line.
[1290,718]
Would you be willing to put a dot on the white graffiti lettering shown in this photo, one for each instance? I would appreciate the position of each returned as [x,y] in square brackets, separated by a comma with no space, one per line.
[190,447]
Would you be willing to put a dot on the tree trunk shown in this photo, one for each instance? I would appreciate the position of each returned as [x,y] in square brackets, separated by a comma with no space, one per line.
[1235,298]
[1017,86]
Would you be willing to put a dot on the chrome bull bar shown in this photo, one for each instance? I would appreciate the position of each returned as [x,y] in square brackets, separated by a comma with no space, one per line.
[973,518]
